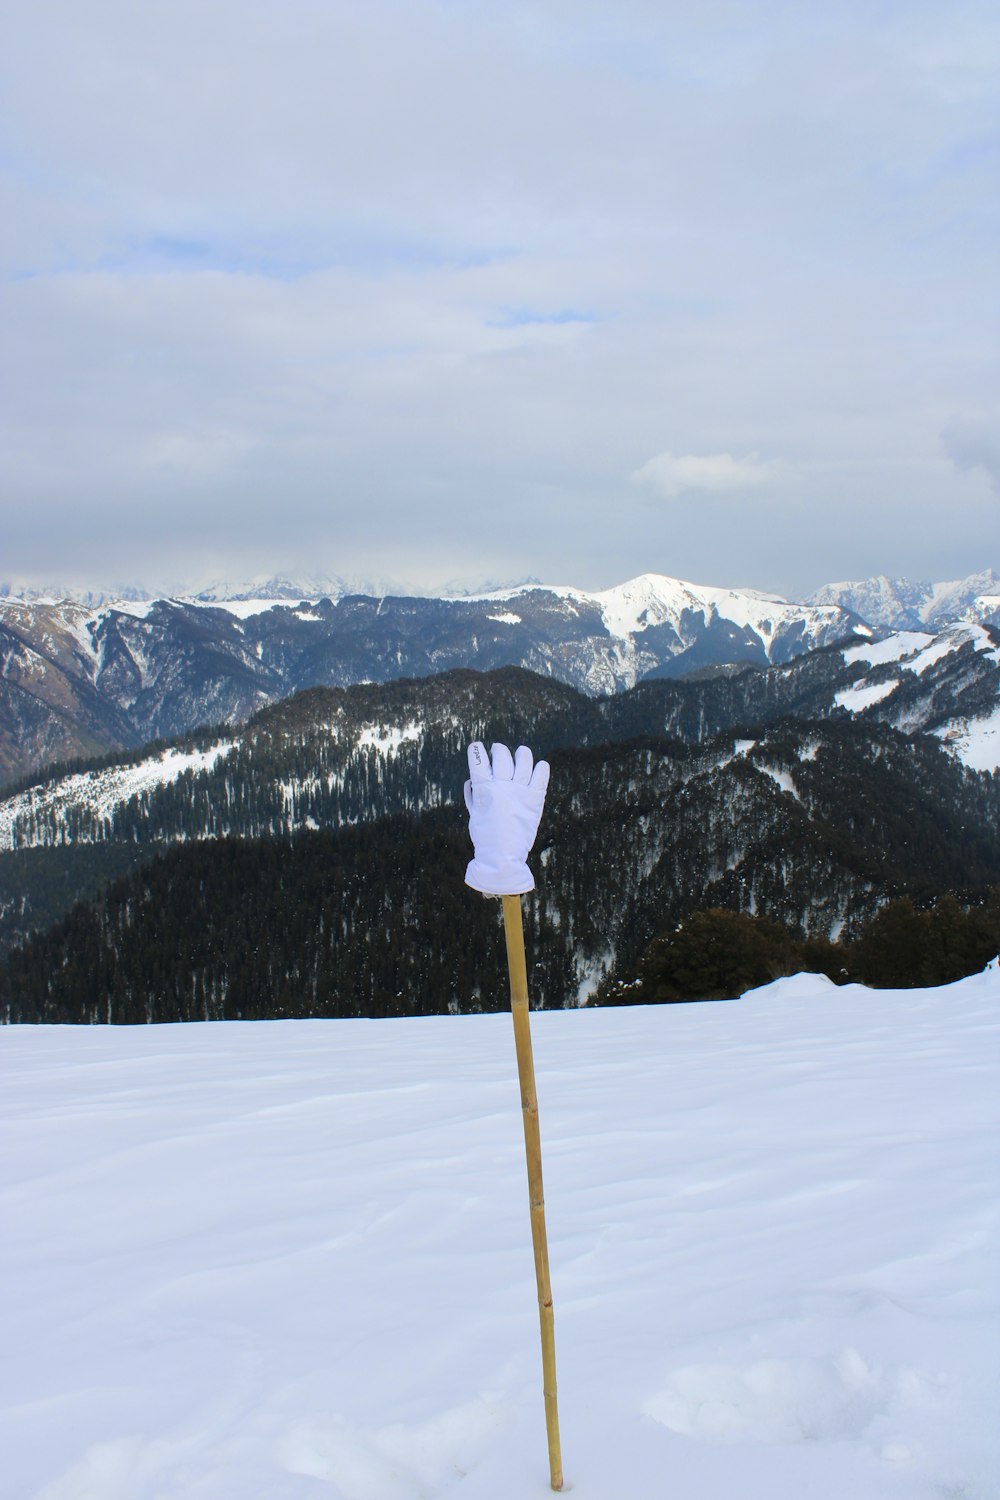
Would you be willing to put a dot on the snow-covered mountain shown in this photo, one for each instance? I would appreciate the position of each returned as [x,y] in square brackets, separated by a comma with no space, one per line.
[883,602]
[844,732]
[739,624]
[19,591]
[947,685]
[897,604]
[942,683]
[76,679]
[262,587]
[79,676]
[266,587]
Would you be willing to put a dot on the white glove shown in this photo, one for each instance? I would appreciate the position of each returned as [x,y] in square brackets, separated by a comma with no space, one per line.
[505,802]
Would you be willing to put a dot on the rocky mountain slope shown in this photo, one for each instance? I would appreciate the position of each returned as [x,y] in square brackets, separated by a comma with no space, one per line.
[898,604]
[76,678]
[311,756]
[328,759]
[84,675]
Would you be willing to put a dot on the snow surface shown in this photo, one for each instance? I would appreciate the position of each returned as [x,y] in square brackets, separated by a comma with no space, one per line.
[244,609]
[857,698]
[140,609]
[291,1260]
[915,650]
[782,778]
[904,643]
[976,742]
[387,738]
[950,640]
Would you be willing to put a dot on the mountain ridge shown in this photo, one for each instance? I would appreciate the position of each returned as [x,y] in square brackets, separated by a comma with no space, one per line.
[78,678]
[900,604]
[331,757]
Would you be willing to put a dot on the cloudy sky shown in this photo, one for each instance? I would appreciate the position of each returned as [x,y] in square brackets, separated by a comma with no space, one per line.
[432,290]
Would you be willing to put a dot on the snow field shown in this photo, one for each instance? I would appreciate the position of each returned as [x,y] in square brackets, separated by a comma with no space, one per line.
[976,742]
[855,699]
[904,643]
[291,1260]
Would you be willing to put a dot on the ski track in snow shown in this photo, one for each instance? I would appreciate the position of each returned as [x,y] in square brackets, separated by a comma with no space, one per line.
[782,779]
[292,1259]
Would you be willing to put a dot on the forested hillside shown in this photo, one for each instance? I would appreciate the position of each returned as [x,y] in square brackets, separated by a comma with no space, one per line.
[815,825]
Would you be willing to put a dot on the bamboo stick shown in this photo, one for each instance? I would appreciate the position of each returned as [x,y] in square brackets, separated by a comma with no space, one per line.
[514,933]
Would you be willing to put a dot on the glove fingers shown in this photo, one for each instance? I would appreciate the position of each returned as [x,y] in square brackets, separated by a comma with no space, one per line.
[503,764]
[468,795]
[522,765]
[479,762]
[540,777]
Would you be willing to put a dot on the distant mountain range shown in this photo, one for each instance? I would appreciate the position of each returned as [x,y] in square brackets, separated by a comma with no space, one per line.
[85,675]
[263,586]
[886,603]
[897,604]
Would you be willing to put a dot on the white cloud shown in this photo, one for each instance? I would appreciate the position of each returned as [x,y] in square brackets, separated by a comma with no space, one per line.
[304,271]
[195,453]
[677,474]
[973,442]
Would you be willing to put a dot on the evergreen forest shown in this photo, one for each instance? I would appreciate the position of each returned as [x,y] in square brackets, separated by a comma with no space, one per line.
[317,868]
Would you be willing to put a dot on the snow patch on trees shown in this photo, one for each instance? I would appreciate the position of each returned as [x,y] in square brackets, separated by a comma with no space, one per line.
[47,814]
[856,699]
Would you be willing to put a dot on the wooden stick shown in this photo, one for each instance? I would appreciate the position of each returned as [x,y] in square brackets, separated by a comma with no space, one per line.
[514,933]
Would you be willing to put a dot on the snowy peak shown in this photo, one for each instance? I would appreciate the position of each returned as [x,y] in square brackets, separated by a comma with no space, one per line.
[898,604]
[654,599]
[19,591]
[651,598]
[270,587]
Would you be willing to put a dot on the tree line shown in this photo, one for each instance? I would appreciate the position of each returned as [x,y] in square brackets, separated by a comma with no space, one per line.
[719,954]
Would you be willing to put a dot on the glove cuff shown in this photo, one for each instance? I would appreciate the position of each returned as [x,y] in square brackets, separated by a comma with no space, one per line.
[511,878]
